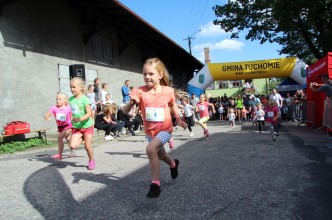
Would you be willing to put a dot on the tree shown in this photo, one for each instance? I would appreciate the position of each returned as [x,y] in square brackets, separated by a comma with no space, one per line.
[302,27]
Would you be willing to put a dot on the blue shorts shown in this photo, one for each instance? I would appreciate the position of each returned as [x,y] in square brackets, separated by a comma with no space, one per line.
[164,136]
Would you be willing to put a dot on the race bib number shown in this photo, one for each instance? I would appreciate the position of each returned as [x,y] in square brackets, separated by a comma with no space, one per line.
[201,107]
[155,114]
[60,117]
[75,109]
[270,114]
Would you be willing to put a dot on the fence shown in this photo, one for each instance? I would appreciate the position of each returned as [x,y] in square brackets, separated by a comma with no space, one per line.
[302,112]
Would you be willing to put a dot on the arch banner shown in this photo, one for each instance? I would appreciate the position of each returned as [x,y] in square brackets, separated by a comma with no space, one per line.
[291,67]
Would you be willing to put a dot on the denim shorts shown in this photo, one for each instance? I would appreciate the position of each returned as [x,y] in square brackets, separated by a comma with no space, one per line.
[164,136]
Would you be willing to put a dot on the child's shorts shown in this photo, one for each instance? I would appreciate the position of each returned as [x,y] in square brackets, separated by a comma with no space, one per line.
[164,136]
[64,127]
[83,131]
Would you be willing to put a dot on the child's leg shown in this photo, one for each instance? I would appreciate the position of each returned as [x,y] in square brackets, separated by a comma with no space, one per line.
[63,134]
[259,126]
[75,140]
[88,145]
[202,122]
[152,152]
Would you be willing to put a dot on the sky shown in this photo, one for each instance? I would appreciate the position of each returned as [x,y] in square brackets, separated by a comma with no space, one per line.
[180,19]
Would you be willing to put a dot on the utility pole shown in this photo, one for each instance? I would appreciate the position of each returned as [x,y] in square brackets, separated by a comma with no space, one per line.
[189,38]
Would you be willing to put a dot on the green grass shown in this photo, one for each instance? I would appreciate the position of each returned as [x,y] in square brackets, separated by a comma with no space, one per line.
[14,146]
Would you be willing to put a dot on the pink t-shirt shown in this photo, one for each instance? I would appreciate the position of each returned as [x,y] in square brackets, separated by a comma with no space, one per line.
[155,109]
[203,108]
[271,113]
[62,115]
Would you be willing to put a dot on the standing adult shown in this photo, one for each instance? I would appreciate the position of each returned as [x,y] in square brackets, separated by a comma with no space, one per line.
[326,87]
[193,102]
[104,92]
[277,98]
[125,92]
[97,94]
[239,106]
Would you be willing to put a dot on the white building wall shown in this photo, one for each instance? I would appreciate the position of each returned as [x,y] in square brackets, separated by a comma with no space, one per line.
[35,37]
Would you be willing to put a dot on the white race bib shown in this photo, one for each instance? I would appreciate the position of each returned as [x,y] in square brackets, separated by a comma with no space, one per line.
[155,114]
[201,107]
[270,114]
[75,109]
[60,117]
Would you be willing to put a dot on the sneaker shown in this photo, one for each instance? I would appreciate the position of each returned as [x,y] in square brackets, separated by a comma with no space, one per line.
[108,138]
[191,134]
[57,156]
[72,153]
[120,135]
[154,191]
[274,139]
[174,171]
[92,164]
[207,134]
[204,132]
[171,143]
[135,131]
[277,133]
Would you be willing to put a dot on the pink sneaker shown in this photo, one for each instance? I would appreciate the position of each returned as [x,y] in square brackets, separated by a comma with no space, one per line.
[57,156]
[92,164]
[171,143]
[204,132]
[207,135]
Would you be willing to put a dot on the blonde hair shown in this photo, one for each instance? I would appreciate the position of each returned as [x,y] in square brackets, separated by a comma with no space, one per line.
[271,102]
[107,109]
[161,69]
[181,94]
[90,86]
[63,95]
[80,82]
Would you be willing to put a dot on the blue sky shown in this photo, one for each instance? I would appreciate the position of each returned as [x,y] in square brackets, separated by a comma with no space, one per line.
[179,19]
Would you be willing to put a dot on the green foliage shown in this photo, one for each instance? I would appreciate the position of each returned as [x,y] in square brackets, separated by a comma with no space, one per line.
[14,146]
[302,27]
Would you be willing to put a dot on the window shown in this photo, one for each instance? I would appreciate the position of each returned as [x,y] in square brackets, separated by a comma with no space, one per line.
[222,84]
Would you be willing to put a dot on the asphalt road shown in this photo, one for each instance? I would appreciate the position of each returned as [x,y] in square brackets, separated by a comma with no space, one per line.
[236,174]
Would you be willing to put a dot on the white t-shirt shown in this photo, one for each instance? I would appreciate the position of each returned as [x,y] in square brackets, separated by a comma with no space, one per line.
[221,109]
[188,110]
[260,115]
[231,116]
[277,98]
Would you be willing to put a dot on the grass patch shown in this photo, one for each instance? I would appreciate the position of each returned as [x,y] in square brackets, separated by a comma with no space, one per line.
[14,146]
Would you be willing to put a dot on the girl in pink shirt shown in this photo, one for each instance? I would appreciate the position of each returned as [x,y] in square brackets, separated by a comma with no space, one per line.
[203,108]
[62,114]
[155,100]
[272,114]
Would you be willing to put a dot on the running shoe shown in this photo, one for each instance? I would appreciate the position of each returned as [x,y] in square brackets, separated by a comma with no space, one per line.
[154,191]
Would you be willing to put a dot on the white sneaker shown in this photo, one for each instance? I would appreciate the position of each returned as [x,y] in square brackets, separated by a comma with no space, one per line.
[136,131]
[108,138]
[191,134]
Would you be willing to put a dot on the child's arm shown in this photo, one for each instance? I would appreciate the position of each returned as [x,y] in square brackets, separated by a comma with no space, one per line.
[86,116]
[212,106]
[108,119]
[47,116]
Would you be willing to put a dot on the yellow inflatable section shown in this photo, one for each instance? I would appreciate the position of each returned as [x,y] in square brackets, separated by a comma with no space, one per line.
[291,67]
[252,69]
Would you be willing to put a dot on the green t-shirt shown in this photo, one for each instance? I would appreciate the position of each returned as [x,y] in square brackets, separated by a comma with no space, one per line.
[239,103]
[78,109]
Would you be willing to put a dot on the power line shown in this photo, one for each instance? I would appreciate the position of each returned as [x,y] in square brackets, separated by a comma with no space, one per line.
[189,38]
